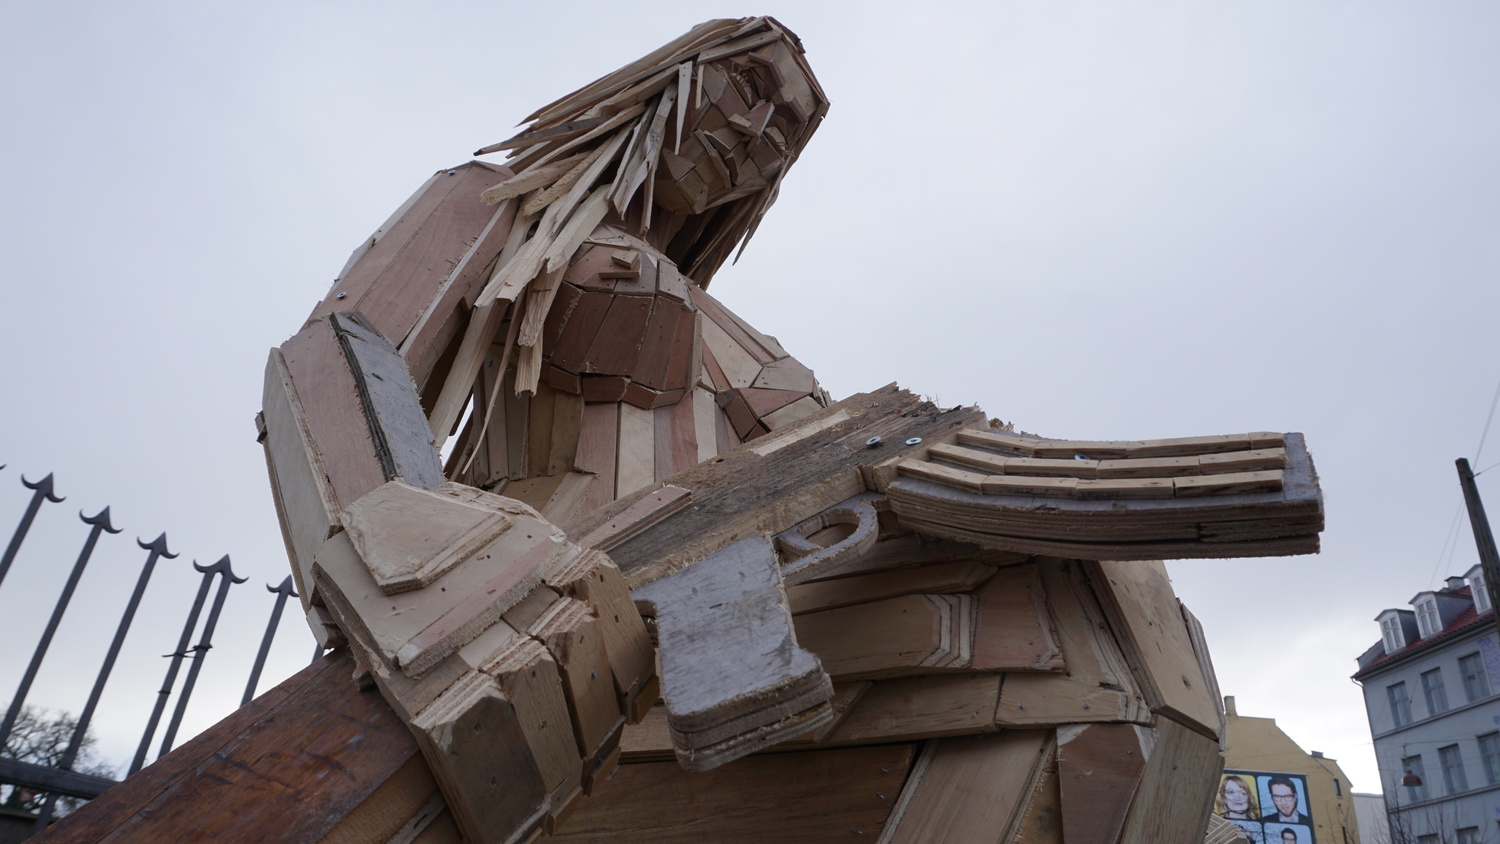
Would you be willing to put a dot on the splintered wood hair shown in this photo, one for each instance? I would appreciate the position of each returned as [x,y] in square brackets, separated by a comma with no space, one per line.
[704,127]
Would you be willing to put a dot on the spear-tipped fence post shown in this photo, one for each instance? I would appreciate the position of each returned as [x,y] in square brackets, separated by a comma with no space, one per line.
[98,524]
[282,592]
[158,549]
[43,493]
[200,650]
[176,657]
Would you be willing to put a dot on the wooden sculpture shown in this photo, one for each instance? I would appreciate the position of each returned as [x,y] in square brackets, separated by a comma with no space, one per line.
[872,617]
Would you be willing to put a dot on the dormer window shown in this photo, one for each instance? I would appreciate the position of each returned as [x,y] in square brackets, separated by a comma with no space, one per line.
[1478,589]
[1427,616]
[1390,633]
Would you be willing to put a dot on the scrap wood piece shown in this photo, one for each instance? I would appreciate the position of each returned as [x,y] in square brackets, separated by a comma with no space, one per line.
[593,579]
[530,679]
[409,537]
[963,504]
[574,637]
[1098,768]
[336,730]
[1012,627]
[474,742]
[955,772]
[1146,616]
[306,504]
[812,466]
[912,634]
[730,656]
[928,706]
[1176,793]
[1098,685]
[938,579]
[806,796]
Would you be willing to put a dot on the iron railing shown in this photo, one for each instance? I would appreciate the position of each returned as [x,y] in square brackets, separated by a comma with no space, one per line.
[60,779]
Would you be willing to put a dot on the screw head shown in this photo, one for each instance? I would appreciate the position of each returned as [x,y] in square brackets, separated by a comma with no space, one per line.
[341,295]
[1080,457]
[914,441]
[872,442]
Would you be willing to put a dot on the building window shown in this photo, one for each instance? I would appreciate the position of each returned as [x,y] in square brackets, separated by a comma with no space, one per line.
[1454,778]
[1427,839]
[1400,704]
[1432,689]
[1476,682]
[1489,751]
[1427,618]
[1414,764]
[1338,790]
[1468,835]
[1390,633]
[1478,590]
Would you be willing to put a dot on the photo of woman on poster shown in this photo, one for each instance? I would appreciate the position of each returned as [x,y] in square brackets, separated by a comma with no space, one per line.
[1236,801]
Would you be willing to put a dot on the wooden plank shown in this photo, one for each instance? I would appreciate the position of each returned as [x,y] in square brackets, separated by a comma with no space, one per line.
[1097,686]
[567,421]
[939,579]
[617,346]
[912,634]
[705,417]
[757,345]
[1145,614]
[786,374]
[426,264]
[1041,819]
[1176,793]
[396,420]
[336,421]
[539,430]
[572,488]
[650,367]
[794,798]
[593,579]
[1013,630]
[921,707]
[332,747]
[1244,461]
[1098,767]
[529,678]
[739,366]
[408,537]
[409,798]
[473,739]
[1233,483]
[306,506]
[577,336]
[371,259]
[574,637]
[971,789]
[599,431]
[636,465]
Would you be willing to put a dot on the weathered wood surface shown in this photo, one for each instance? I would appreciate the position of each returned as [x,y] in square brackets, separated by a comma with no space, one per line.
[779,797]
[990,776]
[295,764]
[734,678]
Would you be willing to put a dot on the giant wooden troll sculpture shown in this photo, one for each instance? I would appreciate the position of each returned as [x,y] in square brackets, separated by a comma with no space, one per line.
[871,618]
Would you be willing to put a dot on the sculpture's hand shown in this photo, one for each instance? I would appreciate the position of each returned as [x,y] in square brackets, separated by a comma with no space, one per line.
[514,655]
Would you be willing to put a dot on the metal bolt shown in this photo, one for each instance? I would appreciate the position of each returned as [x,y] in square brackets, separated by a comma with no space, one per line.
[1080,457]
[341,295]
[914,441]
[872,442]
[451,172]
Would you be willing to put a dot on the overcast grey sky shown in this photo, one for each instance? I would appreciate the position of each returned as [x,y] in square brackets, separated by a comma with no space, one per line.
[1097,220]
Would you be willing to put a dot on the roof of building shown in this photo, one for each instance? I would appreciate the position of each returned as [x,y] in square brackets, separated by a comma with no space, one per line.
[1465,621]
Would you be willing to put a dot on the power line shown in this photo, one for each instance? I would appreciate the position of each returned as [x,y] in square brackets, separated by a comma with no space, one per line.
[1487,421]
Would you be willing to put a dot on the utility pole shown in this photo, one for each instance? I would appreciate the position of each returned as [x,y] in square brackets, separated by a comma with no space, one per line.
[1489,557]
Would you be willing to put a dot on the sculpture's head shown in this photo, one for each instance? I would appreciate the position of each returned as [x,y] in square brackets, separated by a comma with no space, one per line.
[691,140]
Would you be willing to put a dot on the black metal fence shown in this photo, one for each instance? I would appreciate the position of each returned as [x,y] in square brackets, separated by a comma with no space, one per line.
[58,779]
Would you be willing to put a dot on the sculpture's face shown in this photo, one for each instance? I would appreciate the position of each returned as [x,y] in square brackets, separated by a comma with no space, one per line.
[746,116]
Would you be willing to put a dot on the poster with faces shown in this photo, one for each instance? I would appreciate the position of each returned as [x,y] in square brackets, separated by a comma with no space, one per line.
[1270,808]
